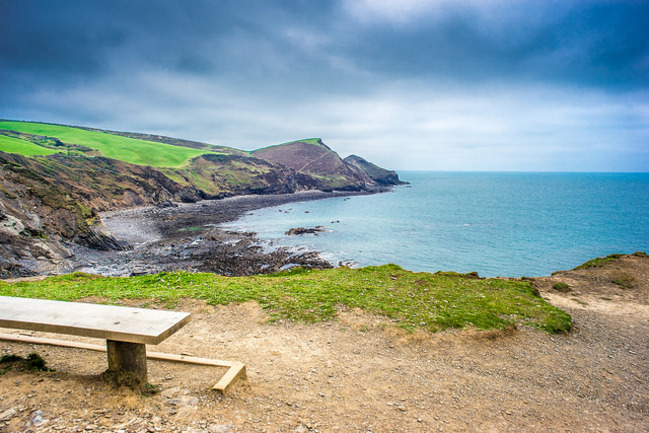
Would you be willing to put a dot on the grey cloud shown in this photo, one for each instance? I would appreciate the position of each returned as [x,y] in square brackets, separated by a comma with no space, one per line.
[590,43]
[70,40]
[472,85]
[597,44]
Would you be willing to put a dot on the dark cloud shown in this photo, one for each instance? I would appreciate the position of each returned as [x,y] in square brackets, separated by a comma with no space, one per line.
[250,72]
[585,43]
[597,44]
[39,38]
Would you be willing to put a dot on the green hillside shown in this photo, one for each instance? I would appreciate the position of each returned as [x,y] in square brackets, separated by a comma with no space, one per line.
[126,149]
[23,147]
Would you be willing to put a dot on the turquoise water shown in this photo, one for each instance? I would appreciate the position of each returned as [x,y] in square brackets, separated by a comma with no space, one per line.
[498,224]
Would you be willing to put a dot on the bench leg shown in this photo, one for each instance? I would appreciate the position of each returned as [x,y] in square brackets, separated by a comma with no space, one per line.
[130,357]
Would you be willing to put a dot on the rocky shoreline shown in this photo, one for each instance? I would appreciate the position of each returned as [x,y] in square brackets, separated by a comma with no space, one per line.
[186,236]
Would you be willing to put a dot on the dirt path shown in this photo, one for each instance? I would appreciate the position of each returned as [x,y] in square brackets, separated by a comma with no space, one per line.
[361,374]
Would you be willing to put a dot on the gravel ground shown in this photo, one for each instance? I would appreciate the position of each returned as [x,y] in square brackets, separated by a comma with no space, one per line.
[362,374]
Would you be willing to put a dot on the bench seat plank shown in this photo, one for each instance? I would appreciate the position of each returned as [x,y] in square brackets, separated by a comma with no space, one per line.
[128,324]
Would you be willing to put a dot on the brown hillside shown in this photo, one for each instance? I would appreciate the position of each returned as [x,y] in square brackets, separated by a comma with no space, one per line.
[304,157]
[317,160]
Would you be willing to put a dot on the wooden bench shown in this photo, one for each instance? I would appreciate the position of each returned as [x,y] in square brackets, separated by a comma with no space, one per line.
[126,330]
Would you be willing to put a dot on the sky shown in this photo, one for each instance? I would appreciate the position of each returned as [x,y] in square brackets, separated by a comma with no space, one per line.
[488,85]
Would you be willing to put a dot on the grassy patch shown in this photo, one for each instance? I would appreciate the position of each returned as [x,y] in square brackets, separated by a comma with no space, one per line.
[313,141]
[417,300]
[33,362]
[193,229]
[561,287]
[22,147]
[131,150]
[579,301]
[599,261]
[624,281]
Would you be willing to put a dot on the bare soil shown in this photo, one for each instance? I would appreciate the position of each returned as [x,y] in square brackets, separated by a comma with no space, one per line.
[362,374]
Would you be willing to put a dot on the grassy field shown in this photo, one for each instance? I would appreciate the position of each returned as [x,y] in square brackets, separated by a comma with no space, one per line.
[412,300]
[313,141]
[22,147]
[112,146]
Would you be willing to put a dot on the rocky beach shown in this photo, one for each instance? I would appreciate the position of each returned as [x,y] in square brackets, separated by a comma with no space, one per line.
[186,236]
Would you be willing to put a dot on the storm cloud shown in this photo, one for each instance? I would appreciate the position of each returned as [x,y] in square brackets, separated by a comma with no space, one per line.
[414,84]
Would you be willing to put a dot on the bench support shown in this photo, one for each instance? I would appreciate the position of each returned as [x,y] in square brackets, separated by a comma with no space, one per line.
[236,370]
[129,357]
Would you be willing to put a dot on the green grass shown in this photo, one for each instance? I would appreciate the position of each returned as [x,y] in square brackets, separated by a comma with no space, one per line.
[33,362]
[624,281]
[599,261]
[131,150]
[22,147]
[413,300]
[561,287]
[313,141]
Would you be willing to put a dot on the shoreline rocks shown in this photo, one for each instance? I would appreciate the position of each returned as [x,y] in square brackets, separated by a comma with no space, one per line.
[179,236]
[297,231]
[186,236]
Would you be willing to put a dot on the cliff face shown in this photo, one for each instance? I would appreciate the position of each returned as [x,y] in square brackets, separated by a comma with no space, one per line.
[313,158]
[48,202]
[219,176]
[377,174]
[42,209]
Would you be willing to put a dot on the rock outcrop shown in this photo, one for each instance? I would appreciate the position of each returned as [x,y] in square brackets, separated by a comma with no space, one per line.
[379,175]
[296,231]
[311,157]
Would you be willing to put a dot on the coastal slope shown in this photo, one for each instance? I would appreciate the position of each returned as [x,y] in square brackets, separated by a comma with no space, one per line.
[56,179]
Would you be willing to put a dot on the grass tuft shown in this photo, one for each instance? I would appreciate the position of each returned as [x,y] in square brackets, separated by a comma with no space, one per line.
[599,261]
[561,287]
[33,362]
[624,281]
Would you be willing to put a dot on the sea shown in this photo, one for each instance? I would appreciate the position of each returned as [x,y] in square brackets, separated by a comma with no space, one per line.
[497,224]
